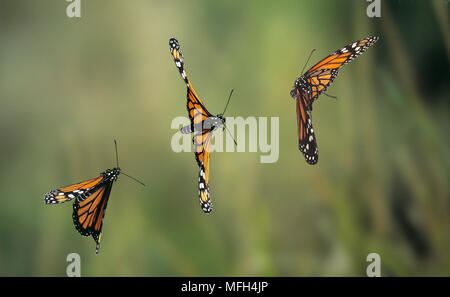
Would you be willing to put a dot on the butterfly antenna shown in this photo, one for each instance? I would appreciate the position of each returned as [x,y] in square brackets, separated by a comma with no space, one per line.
[334,97]
[229,132]
[133,178]
[308,60]
[229,97]
[117,154]
[117,161]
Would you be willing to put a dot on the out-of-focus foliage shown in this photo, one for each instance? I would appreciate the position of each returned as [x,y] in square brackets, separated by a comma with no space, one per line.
[68,87]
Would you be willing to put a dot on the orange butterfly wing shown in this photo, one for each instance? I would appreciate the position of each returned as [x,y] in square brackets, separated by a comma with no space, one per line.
[196,110]
[307,139]
[197,114]
[68,193]
[202,141]
[88,213]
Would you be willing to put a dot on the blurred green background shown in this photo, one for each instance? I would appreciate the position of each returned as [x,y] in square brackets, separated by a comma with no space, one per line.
[68,87]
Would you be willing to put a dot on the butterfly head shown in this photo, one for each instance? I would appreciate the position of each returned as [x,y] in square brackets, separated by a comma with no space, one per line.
[112,174]
[294,93]
[220,117]
[219,121]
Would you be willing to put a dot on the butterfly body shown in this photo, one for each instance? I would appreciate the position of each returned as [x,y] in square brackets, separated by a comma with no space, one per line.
[313,83]
[210,123]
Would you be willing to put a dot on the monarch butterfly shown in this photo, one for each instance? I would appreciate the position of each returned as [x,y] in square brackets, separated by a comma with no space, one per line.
[91,198]
[203,124]
[314,82]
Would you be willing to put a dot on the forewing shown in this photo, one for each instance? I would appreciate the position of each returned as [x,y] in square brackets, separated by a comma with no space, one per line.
[321,75]
[64,194]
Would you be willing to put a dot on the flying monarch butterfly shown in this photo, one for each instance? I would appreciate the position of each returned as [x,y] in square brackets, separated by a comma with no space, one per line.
[91,198]
[203,124]
[314,82]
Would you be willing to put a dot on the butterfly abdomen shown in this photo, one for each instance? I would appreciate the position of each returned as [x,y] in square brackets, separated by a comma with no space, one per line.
[188,129]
